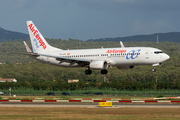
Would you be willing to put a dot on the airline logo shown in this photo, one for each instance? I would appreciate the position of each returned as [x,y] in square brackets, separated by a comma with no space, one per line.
[116,51]
[35,45]
[68,53]
[37,36]
[133,54]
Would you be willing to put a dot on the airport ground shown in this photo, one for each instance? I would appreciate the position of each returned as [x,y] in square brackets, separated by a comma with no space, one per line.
[83,111]
[79,113]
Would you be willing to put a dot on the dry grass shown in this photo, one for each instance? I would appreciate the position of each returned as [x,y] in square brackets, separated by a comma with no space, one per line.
[22,113]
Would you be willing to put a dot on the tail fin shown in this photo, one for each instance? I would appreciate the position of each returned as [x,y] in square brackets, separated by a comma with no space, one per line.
[27,47]
[121,44]
[39,44]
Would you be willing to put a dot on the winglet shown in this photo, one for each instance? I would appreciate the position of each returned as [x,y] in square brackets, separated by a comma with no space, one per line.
[121,44]
[27,47]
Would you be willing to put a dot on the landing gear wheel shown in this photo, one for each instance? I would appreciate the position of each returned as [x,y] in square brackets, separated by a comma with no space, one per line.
[104,71]
[154,70]
[88,72]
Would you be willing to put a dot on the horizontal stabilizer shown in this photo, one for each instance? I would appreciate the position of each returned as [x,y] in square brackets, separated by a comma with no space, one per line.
[30,54]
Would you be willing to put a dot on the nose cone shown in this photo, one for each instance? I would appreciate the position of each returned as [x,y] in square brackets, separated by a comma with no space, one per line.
[166,57]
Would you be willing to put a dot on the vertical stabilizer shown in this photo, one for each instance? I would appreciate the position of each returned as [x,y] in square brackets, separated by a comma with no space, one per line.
[27,47]
[39,44]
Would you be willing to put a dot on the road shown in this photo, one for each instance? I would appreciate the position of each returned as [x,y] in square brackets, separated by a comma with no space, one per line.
[88,105]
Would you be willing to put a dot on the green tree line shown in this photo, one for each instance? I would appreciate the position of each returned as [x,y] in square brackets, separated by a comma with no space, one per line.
[118,85]
[37,71]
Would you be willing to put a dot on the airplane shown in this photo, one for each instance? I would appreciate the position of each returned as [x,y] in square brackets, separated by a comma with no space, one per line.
[93,59]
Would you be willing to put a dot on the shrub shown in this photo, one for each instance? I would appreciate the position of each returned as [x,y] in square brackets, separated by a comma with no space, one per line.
[159,96]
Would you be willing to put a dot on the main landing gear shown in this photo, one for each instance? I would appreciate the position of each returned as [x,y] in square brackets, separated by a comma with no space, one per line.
[104,71]
[89,72]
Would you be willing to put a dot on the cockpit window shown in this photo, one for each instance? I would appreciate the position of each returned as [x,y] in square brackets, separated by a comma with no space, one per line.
[157,52]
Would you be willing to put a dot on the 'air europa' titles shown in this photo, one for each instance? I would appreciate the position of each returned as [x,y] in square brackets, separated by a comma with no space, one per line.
[116,51]
[36,34]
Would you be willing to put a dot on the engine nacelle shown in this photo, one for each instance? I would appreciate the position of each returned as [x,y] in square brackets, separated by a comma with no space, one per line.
[98,65]
[125,67]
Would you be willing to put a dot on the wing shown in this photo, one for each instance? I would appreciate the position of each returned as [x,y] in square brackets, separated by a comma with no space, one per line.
[69,60]
[62,59]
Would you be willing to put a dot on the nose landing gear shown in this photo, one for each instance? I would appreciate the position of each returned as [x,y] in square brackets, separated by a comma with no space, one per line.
[154,69]
[157,64]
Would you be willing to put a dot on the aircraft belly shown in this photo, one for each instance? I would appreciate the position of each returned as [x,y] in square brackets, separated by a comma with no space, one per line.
[66,64]
[121,61]
[124,61]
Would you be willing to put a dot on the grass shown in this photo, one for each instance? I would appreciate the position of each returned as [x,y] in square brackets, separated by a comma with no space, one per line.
[9,113]
[91,91]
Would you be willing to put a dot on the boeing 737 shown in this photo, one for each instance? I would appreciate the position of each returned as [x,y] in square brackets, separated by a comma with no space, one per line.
[93,59]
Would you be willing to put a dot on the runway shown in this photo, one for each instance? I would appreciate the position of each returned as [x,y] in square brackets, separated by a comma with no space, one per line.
[89,105]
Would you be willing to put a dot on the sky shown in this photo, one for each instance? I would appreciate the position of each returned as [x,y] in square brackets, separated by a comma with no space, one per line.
[91,19]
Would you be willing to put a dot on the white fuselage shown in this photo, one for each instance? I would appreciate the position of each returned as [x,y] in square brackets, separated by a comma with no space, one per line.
[128,56]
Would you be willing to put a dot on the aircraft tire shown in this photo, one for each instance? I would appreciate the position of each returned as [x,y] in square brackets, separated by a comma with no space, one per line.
[104,71]
[88,72]
[154,70]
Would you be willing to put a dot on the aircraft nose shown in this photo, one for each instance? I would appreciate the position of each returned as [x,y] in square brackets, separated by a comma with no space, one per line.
[166,56]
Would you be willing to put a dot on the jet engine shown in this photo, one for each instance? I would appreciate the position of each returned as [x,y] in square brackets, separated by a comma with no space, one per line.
[98,65]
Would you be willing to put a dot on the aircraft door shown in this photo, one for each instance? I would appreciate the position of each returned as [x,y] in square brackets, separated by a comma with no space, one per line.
[147,54]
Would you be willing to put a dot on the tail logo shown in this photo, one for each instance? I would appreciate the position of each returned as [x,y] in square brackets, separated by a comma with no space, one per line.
[35,45]
[37,36]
